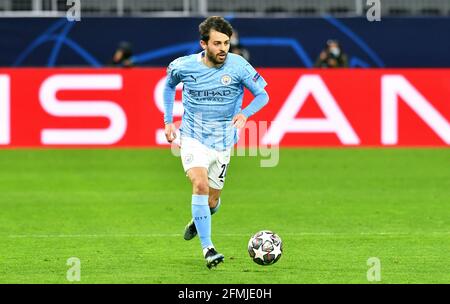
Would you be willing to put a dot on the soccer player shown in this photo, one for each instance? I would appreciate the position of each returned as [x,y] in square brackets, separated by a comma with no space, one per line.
[213,88]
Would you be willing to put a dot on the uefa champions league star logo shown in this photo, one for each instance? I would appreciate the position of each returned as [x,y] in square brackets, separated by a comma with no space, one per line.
[225,80]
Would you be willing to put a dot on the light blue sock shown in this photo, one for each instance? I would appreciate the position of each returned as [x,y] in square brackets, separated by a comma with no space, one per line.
[202,219]
[215,209]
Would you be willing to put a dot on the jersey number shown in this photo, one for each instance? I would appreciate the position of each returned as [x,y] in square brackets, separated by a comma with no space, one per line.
[224,171]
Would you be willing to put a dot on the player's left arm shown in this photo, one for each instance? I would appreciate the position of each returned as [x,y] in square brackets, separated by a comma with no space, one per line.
[253,81]
[260,100]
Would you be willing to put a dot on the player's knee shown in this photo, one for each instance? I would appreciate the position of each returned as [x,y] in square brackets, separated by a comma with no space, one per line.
[200,186]
[212,201]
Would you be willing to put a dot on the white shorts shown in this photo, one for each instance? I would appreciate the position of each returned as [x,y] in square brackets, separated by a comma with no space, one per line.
[196,154]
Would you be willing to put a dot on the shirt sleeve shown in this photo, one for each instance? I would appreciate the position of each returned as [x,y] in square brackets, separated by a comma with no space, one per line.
[174,73]
[169,97]
[252,80]
[173,78]
[257,104]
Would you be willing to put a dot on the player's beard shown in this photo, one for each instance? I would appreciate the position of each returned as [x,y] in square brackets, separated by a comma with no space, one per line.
[215,58]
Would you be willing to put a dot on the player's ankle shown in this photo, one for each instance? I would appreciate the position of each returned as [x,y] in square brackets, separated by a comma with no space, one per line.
[206,249]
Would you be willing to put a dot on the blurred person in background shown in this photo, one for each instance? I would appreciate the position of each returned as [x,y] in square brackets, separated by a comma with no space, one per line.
[237,48]
[332,56]
[122,55]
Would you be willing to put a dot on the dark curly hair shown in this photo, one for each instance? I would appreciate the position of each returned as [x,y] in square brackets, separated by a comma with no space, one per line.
[216,23]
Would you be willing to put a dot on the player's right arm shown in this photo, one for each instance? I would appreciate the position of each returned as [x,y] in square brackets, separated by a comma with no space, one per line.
[173,78]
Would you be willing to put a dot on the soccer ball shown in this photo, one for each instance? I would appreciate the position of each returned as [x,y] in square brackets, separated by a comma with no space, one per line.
[265,247]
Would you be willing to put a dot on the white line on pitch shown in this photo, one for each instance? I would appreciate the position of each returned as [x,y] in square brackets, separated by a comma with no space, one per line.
[150,235]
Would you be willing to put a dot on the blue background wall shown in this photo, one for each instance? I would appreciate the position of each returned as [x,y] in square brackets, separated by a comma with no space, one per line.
[285,42]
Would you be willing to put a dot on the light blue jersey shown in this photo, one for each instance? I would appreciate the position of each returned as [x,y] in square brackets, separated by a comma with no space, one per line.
[212,97]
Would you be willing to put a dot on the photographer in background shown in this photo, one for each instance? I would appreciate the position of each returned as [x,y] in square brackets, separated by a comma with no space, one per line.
[332,56]
[237,48]
[122,55]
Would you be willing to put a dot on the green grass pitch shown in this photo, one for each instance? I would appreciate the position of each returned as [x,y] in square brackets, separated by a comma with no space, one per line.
[122,213]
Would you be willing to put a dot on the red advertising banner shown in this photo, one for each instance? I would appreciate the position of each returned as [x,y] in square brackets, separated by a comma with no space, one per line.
[124,107]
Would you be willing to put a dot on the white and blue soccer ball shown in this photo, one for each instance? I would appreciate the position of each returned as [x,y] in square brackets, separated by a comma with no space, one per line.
[265,247]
